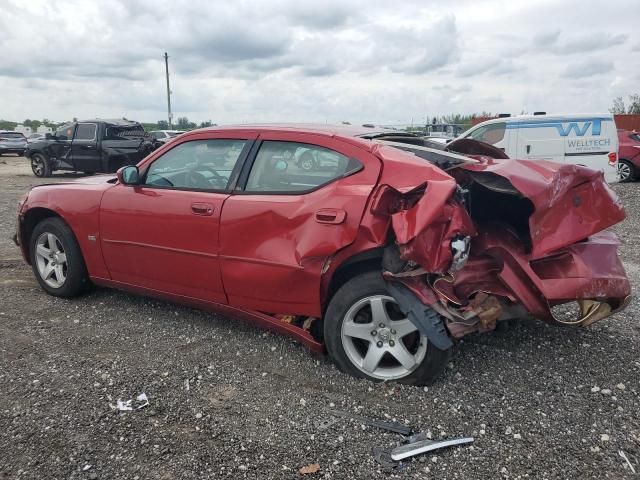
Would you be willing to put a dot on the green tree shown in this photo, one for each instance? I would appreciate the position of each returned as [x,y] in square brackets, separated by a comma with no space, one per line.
[163,125]
[183,123]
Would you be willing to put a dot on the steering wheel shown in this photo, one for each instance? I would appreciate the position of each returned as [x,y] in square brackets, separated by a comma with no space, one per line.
[197,179]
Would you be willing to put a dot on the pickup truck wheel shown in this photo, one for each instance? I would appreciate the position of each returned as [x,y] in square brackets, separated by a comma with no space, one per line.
[56,259]
[368,336]
[40,165]
[307,161]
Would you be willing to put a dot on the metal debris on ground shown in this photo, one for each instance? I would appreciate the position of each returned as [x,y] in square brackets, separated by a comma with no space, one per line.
[626,459]
[141,401]
[327,422]
[395,427]
[383,457]
[422,446]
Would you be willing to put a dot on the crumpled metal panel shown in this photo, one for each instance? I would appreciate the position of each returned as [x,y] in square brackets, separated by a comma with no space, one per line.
[570,202]
[425,217]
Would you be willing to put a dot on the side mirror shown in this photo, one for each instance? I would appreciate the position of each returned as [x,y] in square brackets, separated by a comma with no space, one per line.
[128,175]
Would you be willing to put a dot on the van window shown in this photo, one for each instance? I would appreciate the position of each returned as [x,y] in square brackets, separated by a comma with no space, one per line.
[491,134]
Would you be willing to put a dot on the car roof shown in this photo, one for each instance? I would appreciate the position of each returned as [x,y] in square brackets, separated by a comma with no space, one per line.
[359,134]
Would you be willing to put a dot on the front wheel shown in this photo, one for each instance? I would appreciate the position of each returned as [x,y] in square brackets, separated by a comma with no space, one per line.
[40,165]
[56,259]
[368,336]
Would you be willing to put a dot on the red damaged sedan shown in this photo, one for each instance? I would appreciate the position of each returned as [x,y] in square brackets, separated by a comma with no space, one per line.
[383,256]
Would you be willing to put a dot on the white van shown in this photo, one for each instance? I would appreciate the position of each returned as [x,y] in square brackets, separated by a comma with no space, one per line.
[584,139]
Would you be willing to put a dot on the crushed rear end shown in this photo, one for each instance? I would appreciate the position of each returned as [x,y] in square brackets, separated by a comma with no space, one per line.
[495,239]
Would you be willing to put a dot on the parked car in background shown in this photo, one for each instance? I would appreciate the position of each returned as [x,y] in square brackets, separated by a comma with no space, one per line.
[91,146]
[12,142]
[384,258]
[628,155]
[590,140]
[164,135]
[34,137]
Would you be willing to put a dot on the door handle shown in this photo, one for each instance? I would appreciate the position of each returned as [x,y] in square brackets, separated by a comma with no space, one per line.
[528,148]
[202,209]
[332,216]
[88,147]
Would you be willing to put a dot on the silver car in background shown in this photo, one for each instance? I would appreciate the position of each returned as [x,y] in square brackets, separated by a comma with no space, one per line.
[12,142]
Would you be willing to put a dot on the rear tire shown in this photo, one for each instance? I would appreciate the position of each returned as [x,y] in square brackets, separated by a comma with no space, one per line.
[626,171]
[56,259]
[40,166]
[366,333]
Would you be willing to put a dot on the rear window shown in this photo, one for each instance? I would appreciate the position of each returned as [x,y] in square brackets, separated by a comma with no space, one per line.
[11,135]
[115,132]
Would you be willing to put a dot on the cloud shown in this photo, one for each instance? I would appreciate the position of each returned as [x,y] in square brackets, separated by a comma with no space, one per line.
[588,69]
[288,60]
[547,38]
[487,66]
[584,43]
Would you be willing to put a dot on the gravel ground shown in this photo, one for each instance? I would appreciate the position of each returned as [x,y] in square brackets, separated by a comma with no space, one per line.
[229,400]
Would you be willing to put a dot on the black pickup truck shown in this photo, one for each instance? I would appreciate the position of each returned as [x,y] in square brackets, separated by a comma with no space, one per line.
[91,146]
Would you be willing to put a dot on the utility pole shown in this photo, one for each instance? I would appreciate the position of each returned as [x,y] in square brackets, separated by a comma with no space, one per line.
[166,66]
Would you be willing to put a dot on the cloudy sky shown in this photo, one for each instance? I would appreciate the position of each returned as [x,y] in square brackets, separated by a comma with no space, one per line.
[321,61]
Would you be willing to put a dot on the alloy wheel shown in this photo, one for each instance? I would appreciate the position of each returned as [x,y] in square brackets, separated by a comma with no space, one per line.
[51,260]
[380,341]
[624,171]
[37,165]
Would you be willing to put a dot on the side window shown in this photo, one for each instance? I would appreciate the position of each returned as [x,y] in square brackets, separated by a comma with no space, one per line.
[491,134]
[198,165]
[86,131]
[65,132]
[288,167]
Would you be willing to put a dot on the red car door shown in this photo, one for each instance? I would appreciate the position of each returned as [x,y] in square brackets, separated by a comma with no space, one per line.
[163,234]
[278,232]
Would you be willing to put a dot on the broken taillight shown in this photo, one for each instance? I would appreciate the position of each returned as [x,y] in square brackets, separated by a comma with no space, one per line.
[613,158]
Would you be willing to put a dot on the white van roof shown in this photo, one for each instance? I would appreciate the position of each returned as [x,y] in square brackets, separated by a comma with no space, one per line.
[556,116]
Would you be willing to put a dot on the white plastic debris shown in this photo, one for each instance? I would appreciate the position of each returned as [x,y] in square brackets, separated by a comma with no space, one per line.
[141,401]
[124,406]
